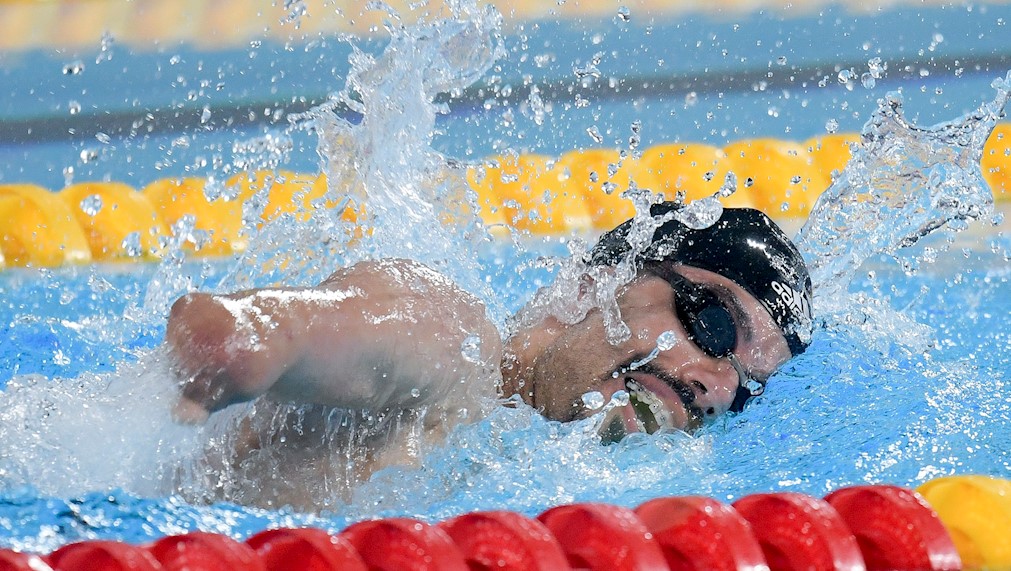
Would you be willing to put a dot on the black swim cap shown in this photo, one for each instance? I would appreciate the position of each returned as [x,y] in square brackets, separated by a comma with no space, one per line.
[745,246]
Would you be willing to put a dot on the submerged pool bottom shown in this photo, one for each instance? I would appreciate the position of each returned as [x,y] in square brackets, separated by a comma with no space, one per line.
[948,523]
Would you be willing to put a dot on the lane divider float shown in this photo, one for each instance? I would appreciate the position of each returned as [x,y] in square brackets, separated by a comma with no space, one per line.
[956,522]
[578,191]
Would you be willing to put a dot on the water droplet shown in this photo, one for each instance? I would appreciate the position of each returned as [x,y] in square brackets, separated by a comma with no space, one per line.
[294,11]
[131,244]
[536,105]
[795,179]
[103,138]
[701,213]
[470,349]
[876,67]
[593,400]
[781,60]
[74,107]
[416,392]
[749,182]
[691,99]
[60,358]
[831,126]
[620,398]
[73,68]
[98,284]
[867,80]
[624,14]
[91,205]
[666,341]
[595,134]
[105,50]
[88,155]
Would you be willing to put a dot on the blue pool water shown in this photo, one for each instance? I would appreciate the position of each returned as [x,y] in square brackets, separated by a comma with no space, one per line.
[905,380]
[862,405]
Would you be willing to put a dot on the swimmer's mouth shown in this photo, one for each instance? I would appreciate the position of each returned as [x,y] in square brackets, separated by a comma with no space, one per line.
[651,414]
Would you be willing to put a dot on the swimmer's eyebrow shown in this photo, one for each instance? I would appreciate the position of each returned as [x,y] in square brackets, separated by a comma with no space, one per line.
[740,315]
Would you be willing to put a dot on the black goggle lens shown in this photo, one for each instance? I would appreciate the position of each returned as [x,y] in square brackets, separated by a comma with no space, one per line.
[713,329]
[708,322]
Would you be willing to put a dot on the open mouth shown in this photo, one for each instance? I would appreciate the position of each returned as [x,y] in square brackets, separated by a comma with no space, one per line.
[645,412]
[651,414]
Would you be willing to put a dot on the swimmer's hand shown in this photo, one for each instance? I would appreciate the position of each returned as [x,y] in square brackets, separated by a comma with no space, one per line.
[377,336]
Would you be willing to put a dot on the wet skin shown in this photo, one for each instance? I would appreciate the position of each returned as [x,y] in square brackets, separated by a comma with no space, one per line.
[555,364]
[387,336]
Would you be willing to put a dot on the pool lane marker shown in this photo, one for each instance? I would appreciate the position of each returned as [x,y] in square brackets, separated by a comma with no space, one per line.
[579,191]
[873,527]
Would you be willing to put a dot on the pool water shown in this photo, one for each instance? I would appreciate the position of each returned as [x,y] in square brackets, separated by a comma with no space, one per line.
[904,380]
[900,393]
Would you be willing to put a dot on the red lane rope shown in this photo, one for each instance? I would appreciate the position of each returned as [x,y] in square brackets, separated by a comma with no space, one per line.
[852,529]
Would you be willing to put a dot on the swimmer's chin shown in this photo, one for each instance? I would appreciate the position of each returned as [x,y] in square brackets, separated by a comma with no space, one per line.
[187,411]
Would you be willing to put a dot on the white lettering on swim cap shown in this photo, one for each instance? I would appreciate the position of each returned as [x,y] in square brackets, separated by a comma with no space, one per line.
[793,299]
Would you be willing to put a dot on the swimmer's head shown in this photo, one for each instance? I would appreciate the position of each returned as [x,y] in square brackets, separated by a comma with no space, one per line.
[744,246]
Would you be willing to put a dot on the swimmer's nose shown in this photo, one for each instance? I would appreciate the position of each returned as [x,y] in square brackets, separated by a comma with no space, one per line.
[714,384]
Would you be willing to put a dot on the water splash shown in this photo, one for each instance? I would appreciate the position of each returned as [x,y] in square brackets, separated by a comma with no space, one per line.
[92,432]
[579,287]
[517,458]
[902,183]
[417,208]
[409,200]
[414,199]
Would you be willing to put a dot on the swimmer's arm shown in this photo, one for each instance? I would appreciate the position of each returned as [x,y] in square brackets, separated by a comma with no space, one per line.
[377,336]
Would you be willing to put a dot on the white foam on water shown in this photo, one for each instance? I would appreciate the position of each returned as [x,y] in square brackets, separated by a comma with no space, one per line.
[67,436]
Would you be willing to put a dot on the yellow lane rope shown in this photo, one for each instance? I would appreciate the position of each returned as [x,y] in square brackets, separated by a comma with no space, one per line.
[576,192]
[976,510]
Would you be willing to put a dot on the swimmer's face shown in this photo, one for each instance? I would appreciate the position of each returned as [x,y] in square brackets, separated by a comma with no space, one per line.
[682,384]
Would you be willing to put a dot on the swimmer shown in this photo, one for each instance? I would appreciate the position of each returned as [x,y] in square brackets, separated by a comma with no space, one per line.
[730,304]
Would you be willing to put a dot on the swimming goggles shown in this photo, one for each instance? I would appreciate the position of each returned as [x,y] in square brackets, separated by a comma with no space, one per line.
[710,326]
